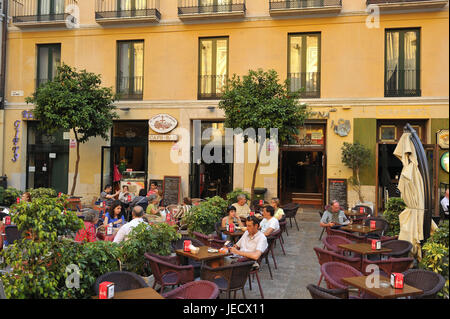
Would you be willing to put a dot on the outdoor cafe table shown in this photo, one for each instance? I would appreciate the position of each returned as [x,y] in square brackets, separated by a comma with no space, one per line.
[364,249]
[384,291]
[141,293]
[233,235]
[359,229]
[212,259]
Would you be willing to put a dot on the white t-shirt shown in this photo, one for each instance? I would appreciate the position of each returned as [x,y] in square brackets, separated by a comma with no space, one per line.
[123,232]
[272,223]
[444,204]
[252,244]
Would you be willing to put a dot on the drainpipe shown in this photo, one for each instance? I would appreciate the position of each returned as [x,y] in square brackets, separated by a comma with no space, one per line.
[4,20]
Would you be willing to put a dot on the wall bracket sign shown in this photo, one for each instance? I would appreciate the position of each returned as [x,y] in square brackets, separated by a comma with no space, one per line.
[442,139]
[162,123]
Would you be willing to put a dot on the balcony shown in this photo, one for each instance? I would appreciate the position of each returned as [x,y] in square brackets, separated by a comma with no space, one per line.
[304,7]
[307,84]
[393,5]
[120,11]
[201,9]
[402,83]
[33,13]
[211,86]
[130,88]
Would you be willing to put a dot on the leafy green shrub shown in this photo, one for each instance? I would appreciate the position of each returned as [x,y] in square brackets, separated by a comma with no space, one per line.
[203,217]
[8,197]
[394,207]
[143,238]
[440,236]
[42,192]
[220,203]
[232,196]
[435,258]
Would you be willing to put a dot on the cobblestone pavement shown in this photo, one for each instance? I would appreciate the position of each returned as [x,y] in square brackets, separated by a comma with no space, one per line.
[295,270]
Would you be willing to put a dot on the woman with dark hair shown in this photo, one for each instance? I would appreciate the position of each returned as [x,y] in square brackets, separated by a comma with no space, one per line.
[140,200]
[231,218]
[115,215]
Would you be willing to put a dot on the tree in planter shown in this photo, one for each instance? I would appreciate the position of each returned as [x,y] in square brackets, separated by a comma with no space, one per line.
[74,101]
[144,238]
[259,101]
[42,192]
[36,258]
[394,207]
[355,156]
[203,217]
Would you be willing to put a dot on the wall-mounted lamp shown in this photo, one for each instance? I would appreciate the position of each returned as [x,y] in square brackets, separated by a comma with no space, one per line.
[211,108]
[125,109]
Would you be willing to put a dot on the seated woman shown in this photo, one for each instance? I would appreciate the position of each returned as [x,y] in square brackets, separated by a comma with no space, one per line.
[185,208]
[115,215]
[87,234]
[231,218]
[279,212]
[152,208]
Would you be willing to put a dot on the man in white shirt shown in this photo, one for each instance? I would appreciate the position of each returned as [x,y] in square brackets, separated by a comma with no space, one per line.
[253,243]
[123,232]
[444,203]
[242,208]
[269,224]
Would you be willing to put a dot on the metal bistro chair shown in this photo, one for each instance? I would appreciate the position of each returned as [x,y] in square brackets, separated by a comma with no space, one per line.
[229,278]
[123,280]
[323,293]
[200,289]
[290,211]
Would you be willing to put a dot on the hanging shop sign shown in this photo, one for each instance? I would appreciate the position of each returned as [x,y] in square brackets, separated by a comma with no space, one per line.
[163,138]
[444,161]
[342,128]
[442,139]
[15,141]
[162,123]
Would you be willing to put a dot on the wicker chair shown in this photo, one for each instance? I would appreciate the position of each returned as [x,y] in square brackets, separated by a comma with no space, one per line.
[318,292]
[349,236]
[325,256]
[277,235]
[290,211]
[380,223]
[168,274]
[333,272]
[216,243]
[228,278]
[123,280]
[430,282]
[255,270]
[323,228]
[332,243]
[283,223]
[400,248]
[201,289]
[388,266]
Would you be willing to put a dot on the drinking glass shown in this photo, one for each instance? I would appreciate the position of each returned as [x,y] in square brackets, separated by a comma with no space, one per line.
[210,240]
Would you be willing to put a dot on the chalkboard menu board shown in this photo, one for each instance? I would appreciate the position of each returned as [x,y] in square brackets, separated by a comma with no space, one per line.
[337,190]
[171,190]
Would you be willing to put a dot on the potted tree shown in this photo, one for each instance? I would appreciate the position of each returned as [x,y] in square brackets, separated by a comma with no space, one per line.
[356,156]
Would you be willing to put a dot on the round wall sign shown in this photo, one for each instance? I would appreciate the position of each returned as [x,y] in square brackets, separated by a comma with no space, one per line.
[444,161]
[162,123]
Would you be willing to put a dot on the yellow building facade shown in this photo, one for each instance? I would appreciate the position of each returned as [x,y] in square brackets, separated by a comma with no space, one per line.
[352,103]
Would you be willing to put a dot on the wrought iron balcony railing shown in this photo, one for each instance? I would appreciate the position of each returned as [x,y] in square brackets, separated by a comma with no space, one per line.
[402,83]
[407,4]
[32,12]
[304,6]
[207,8]
[211,86]
[130,88]
[120,10]
[306,84]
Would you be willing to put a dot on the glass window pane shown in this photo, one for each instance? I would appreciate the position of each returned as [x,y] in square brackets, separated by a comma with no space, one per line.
[392,60]
[138,67]
[410,44]
[206,70]
[56,60]
[43,63]
[295,63]
[44,6]
[221,64]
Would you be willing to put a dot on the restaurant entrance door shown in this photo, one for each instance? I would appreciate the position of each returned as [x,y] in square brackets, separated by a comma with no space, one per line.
[211,175]
[302,168]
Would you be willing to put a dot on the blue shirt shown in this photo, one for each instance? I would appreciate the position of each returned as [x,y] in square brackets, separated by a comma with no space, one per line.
[113,220]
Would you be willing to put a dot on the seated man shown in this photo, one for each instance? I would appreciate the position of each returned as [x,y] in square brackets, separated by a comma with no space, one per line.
[269,224]
[106,195]
[252,243]
[123,232]
[334,216]
[242,209]
[444,204]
